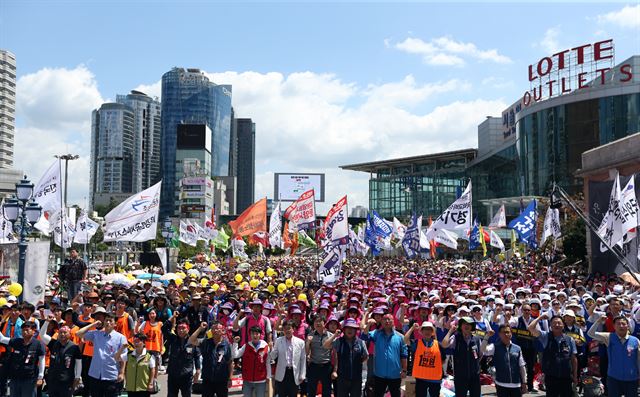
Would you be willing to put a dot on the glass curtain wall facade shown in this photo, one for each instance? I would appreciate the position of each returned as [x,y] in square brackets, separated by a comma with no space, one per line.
[188,97]
[549,147]
[221,129]
[147,133]
[550,142]
[426,189]
[112,149]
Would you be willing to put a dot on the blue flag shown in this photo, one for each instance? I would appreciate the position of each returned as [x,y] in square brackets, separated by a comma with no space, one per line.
[411,240]
[525,225]
[376,231]
[474,236]
[370,237]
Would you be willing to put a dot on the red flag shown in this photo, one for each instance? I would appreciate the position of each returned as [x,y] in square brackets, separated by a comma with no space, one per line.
[252,220]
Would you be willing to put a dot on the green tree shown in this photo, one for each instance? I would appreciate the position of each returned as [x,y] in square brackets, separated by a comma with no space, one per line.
[575,239]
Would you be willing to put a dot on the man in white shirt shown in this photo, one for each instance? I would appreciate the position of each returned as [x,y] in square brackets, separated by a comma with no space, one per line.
[291,369]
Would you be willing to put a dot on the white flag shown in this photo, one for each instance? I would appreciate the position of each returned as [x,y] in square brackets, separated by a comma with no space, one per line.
[629,206]
[237,247]
[621,215]
[48,191]
[446,238]
[398,229]
[275,227]
[499,219]
[336,226]
[424,241]
[85,228]
[203,233]
[496,241]
[302,212]
[551,225]
[188,233]
[63,229]
[7,235]
[457,216]
[136,218]
[331,264]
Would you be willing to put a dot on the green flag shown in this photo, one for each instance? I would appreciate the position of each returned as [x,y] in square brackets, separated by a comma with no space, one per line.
[175,240]
[305,241]
[222,240]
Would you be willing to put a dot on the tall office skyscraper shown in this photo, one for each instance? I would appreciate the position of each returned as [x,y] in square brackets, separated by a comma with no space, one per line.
[147,133]
[125,148]
[8,176]
[188,97]
[7,107]
[243,161]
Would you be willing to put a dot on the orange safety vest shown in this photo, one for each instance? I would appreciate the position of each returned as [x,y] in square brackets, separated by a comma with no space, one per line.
[47,352]
[154,336]
[73,335]
[427,363]
[4,332]
[87,345]
[122,326]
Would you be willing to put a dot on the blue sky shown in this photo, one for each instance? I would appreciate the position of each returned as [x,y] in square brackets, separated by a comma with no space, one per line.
[326,83]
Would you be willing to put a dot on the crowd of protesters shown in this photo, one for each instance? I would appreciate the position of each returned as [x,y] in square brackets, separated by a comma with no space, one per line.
[519,324]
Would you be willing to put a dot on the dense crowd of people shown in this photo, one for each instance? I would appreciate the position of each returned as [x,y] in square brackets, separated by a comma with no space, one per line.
[453,326]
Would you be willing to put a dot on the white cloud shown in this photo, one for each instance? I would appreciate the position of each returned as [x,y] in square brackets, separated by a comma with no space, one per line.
[58,98]
[153,90]
[305,122]
[445,51]
[54,109]
[308,122]
[549,42]
[628,17]
[497,82]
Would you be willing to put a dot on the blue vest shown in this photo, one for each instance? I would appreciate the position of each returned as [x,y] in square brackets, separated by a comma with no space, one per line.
[556,357]
[623,358]
[466,357]
[507,363]
[350,359]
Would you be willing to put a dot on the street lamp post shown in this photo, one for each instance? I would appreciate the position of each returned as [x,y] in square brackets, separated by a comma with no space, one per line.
[23,212]
[167,234]
[66,158]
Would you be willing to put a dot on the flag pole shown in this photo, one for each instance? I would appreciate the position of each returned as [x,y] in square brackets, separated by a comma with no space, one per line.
[86,257]
[62,250]
[315,235]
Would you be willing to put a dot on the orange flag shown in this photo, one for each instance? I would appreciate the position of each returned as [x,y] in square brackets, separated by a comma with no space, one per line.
[286,239]
[294,244]
[252,220]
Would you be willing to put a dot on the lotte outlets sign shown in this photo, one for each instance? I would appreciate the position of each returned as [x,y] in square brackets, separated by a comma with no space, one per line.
[573,69]
[567,71]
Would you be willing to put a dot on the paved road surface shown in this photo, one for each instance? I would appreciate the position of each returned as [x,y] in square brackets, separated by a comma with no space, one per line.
[486,390]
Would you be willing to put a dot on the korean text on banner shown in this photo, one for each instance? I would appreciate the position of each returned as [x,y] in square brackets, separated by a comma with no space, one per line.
[336,226]
[136,218]
[252,220]
[47,191]
[275,227]
[457,216]
[302,212]
[525,224]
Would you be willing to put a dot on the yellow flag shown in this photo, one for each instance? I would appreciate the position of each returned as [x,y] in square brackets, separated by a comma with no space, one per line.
[513,241]
[482,242]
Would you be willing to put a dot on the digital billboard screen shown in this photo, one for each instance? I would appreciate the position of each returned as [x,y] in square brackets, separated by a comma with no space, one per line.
[289,186]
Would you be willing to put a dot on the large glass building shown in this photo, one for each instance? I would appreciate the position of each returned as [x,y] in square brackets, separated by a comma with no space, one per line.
[520,154]
[421,184]
[188,97]
[112,153]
